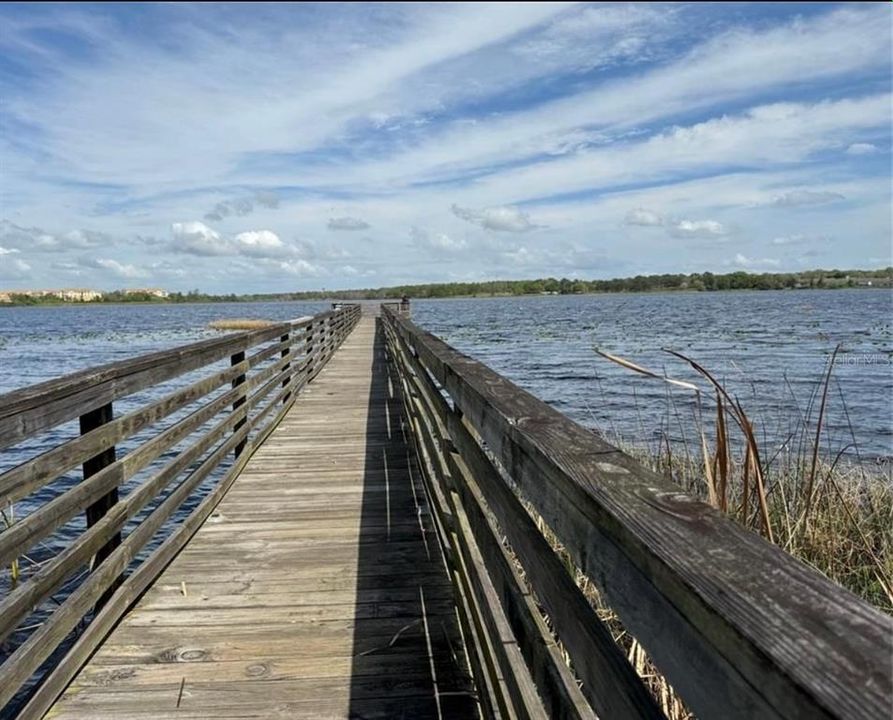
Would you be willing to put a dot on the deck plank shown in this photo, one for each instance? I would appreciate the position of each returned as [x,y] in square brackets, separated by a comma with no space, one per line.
[316,589]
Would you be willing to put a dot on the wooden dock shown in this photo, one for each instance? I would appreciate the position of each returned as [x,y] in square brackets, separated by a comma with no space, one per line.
[344,517]
[312,591]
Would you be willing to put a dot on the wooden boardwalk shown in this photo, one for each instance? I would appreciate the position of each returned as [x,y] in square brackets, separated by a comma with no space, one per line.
[316,589]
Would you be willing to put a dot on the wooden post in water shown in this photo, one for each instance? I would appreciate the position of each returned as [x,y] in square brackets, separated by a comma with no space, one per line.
[95,512]
[240,380]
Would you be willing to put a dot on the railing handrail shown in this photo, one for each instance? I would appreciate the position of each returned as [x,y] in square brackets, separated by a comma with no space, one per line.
[741,628]
[230,412]
[31,409]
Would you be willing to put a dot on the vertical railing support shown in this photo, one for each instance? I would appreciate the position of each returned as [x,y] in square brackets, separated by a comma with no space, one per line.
[239,402]
[95,512]
[286,351]
[308,350]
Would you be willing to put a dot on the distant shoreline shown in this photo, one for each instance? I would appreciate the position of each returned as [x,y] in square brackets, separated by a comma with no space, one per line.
[478,296]
[640,284]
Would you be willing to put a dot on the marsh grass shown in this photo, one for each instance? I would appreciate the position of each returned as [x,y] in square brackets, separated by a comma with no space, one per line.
[239,324]
[829,508]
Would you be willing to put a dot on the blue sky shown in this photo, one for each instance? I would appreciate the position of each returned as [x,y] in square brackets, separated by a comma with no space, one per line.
[252,148]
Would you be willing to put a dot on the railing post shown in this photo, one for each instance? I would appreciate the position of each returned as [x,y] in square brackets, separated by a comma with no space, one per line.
[239,380]
[308,350]
[95,512]
[286,351]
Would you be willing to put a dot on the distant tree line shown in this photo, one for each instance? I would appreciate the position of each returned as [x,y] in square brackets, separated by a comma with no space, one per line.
[707,281]
[640,283]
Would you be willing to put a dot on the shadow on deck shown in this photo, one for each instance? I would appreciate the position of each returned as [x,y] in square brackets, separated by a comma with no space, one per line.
[413,664]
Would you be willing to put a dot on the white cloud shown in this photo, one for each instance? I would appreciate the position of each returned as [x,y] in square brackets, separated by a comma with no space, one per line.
[260,243]
[745,262]
[697,229]
[862,149]
[196,238]
[8,251]
[500,219]
[641,216]
[298,267]
[347,223]
[796,198]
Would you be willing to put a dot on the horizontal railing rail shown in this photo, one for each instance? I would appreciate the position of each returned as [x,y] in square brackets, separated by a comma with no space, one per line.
[740,628]
[201,434]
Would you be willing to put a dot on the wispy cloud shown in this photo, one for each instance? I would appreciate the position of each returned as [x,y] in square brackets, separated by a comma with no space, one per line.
[862,148]
[796,198]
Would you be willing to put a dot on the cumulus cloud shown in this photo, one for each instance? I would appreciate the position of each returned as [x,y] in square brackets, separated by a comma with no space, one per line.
[862,149]
[298,267]
[641,216]
[796,198]
[745,262]
[506,218]
[347,223]
[196,238]
[260,243]
[697,229]
[435,241]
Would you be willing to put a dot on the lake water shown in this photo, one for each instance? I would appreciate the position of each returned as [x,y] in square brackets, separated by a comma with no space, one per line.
[770,349]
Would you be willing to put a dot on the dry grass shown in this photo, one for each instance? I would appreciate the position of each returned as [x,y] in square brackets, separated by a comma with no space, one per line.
[239,324]
[827,511]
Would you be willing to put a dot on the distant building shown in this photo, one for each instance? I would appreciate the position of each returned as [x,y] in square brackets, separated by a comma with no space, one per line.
[77,295]
[155,292]
[64,294]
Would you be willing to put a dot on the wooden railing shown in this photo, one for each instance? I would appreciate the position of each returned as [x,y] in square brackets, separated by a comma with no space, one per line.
[248,381]
[740,628]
